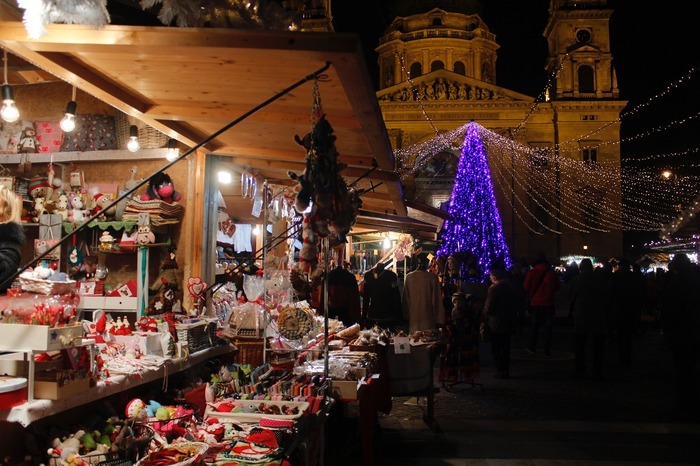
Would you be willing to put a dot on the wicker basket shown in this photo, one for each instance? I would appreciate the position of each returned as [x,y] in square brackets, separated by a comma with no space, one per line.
[149,138]
[250,351]
[137,449]
[199,335]
[47,287]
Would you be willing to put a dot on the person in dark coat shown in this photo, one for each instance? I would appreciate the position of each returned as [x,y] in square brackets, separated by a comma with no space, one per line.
[381,299]
[12,236]
[625,312]
[588,298]
[500,314]
[343,296]
[541,285]
[679,315]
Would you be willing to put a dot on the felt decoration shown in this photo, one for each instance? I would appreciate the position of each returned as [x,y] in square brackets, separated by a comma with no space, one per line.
[308,254]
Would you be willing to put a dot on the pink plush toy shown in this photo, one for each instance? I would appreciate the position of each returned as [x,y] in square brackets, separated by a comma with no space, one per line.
[161,187]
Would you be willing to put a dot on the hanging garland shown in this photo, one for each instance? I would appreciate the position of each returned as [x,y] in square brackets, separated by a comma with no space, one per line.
[329,206]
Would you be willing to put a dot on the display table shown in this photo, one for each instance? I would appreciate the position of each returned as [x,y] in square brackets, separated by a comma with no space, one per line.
[411,374]
[32,411]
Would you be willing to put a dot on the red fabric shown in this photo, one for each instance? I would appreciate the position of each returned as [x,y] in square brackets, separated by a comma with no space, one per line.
[197,398]
[541,284]
[264,437]
[49,134]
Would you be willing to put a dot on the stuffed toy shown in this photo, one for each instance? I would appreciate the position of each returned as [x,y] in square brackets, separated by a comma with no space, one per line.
[62,450]
[167,274]
[128,186]
[28,143]
[99,205]
[61,207]
[76,210]
[144,235]
[39,209]
[161,186]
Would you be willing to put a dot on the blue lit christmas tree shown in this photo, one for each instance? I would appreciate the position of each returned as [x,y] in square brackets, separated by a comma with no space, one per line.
[475,226]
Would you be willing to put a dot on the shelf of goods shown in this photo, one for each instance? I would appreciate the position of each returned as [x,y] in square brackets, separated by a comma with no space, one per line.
[136,304]
[34,410]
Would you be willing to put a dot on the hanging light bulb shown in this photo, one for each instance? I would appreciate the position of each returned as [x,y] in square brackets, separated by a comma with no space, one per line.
[173,152]
[387,243]
[256,230]
[67,123]
[224,177]
[9,111]
[133,145]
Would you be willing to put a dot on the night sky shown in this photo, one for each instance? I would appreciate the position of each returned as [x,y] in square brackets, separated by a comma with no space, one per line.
[652,48]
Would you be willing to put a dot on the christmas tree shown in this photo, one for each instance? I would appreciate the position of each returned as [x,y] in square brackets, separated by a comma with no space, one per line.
[475,226]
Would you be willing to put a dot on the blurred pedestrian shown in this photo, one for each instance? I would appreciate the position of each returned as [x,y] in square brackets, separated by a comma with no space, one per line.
[587,295]
[381,299]
[500,315]
[541,284]
[343,295]
[422,299]
[12,236]
[679,315]
[625,313]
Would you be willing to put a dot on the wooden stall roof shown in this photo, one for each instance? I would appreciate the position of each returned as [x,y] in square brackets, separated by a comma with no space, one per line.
[191,82]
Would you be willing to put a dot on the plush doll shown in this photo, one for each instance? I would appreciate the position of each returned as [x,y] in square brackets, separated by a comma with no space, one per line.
[167,274]
[61,207]
[99,204]
[39,209]
[28,143]
[77,211]
[144,235]
[161,186]
[61,450]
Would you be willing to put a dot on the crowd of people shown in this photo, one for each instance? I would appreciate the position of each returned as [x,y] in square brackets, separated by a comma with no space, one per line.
[607,304]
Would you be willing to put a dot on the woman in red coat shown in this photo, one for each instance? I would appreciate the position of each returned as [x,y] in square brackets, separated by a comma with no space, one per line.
[541,284]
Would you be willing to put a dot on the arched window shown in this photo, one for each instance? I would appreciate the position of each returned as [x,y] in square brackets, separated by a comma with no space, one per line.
[437,65]
[586,83]
[416,70]
[486,72]
[459,68]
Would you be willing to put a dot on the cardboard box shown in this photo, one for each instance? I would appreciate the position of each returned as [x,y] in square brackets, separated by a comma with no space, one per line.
[344,389]
[54,390]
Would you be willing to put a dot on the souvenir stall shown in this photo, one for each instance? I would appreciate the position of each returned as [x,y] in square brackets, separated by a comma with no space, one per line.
[173,367]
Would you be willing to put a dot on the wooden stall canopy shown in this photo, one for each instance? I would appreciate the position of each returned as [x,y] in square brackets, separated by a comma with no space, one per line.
[191,82]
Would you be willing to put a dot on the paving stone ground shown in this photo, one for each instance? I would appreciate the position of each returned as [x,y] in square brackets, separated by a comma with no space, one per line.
[542,414]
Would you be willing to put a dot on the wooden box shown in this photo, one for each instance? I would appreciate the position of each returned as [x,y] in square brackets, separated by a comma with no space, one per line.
[38,337]
[57,390]
[46,385]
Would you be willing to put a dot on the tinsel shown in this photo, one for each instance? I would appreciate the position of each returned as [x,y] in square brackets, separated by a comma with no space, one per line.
[39,13]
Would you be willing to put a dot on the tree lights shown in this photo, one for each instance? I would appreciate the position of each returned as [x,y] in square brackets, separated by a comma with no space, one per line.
[475,226]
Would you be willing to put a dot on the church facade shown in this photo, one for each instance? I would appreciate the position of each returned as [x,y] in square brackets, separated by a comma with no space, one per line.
[437,72]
